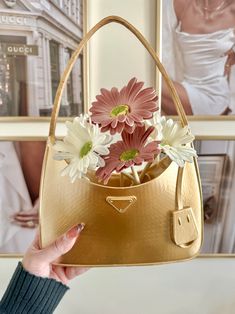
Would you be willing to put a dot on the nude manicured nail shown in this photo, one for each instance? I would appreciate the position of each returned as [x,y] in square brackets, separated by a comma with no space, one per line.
[80,227]
[74,232]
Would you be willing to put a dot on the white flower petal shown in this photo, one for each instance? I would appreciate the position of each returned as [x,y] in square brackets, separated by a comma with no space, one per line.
[156,123]
[102,150]
[175,142]
[93,159]
[63,147]
[101,162]
[86,162]
[82,132]
[179,154]
[63,156]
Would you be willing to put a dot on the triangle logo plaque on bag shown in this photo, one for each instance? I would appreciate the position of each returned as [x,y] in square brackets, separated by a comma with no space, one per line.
[121,203]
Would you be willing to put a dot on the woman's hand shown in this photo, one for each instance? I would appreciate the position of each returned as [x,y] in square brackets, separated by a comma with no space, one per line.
[229,62]
[39,262]
[27,218]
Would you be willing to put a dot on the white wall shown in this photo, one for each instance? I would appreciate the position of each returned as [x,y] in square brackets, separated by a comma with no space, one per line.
[202,286]
[115,54]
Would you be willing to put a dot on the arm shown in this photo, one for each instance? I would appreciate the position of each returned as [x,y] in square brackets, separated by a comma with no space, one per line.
[37,285]
[230,61]
[28,293]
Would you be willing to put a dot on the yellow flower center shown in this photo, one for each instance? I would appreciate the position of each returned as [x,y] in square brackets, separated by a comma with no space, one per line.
[119,110]
[86,148]
[129,154]
[165,143]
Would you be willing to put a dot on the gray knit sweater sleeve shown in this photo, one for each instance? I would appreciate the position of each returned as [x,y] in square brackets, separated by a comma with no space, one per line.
[27,293]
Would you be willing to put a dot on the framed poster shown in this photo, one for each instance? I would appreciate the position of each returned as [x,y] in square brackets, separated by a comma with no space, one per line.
[203,71]
[20,170]
[217,169]
[37,38]
[212,171]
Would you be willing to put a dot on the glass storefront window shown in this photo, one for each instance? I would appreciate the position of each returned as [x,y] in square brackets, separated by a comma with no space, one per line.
[55,67]
[75,80]
[13,88]
[70,98]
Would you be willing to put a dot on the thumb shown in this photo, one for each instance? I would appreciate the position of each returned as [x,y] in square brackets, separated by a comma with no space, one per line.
[62,245]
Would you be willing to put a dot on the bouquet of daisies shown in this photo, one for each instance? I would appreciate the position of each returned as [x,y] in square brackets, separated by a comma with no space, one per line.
[123,131]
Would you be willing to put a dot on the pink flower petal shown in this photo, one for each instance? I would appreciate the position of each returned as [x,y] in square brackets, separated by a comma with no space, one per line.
[135,91]
[108,96]
[112,131]
[129,129]
[141,102]
[136,117]
[120,127]
[121,118]
[136,140]
[130,86]
[138,160]
[115,95]
[105,129]
[101,119]
[103,102]
[145,114]
[114,123]
[129,121]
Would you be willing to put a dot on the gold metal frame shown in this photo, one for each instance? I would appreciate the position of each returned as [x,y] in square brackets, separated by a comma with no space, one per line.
[226,125]
[158,45]
[216,256]
[86,69]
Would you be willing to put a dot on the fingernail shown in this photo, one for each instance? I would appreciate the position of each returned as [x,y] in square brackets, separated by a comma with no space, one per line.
[80,227]
[74,232]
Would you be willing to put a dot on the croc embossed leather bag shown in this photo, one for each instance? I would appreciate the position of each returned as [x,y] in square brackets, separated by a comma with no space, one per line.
[158,221]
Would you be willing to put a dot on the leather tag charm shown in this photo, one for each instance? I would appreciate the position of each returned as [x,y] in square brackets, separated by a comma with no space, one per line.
[185,230]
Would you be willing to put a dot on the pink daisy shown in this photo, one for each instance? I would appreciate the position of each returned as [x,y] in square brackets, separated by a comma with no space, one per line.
[117,111]
[132,150]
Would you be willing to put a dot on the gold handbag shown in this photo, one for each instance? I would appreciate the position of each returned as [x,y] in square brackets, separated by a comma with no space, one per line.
[158,221]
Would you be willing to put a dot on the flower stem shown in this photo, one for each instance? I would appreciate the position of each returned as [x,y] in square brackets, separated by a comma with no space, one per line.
[121,179]
[135,175]
[157,160]
[146,168]
[128,175]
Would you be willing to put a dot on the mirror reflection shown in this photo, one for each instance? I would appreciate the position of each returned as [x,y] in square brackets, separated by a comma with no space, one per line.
[199,54]
[20,171]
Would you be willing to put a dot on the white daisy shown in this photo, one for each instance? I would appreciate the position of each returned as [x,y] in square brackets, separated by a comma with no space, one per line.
[156,123]
[82,147]
[174,142]
[2,158]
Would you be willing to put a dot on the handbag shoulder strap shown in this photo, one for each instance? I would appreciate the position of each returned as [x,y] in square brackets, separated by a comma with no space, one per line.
[75,55]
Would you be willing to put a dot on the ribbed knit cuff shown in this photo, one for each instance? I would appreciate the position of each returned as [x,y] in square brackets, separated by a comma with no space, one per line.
[27,293]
